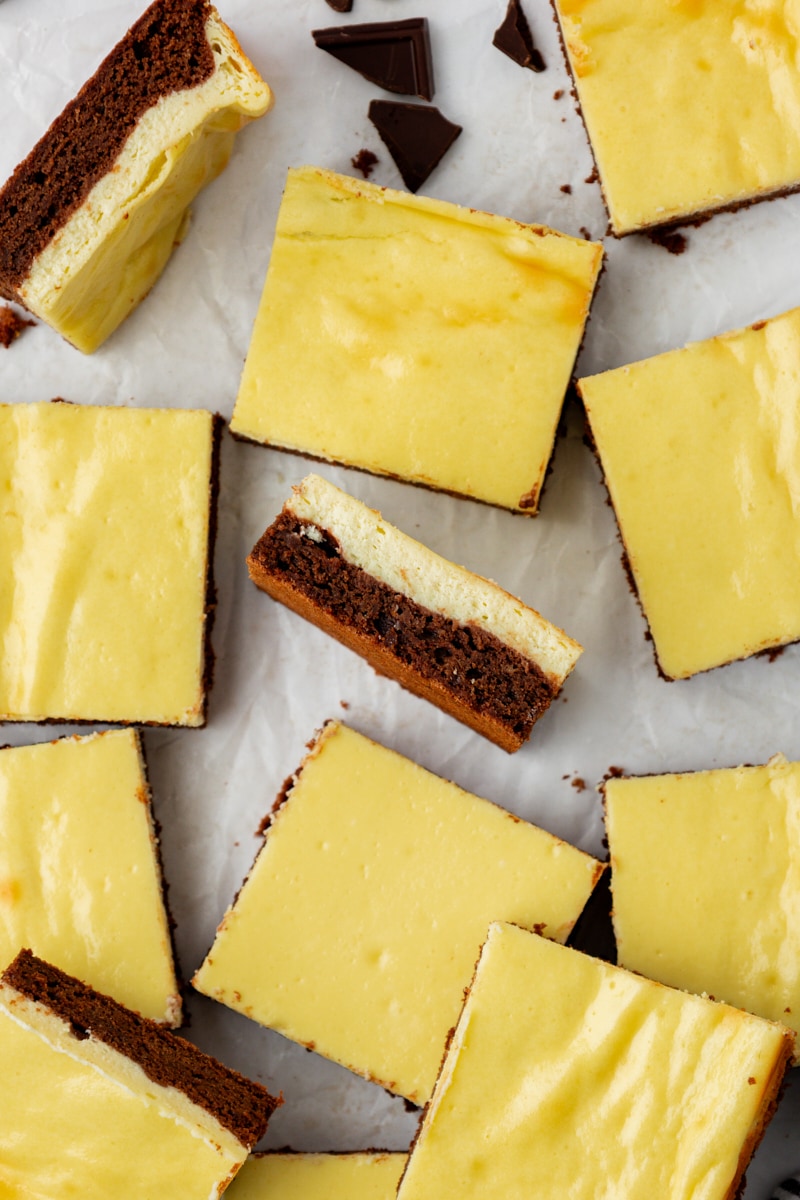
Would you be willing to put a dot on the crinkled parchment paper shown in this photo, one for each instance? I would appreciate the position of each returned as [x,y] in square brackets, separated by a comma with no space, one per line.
[278,679]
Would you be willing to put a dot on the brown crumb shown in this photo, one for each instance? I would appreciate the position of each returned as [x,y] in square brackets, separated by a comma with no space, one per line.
[585,233]
[410,1106]
[345,704]
[770,653]
[579,784]
[592,177]
[557,95]
[671,241]
[566,188]
[751,1079]
[540,927]
[614,773]
[11,325]
[758,325]
[364,162]
[565,776]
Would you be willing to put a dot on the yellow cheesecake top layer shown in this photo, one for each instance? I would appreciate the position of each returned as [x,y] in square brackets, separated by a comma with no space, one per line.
[436,342]
[567,1077]
[78,1118]
[80,883]
[319,1177]
[104,514]
[706,882]
[689,105]
[359,925]
[699,451]
[110,252]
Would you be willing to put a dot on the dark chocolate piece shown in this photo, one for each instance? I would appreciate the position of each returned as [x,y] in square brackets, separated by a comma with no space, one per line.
[417,137]
[514,38]
[394,54]
[475,666]
[241,1106]
[164,52]
[364,161]
[340,5]
[593,932]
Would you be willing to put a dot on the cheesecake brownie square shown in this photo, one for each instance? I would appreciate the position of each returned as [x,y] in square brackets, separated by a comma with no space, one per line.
[689,107]
[706,882]
[105,563]
[698,451]
[98,1102]
[366,1176]
[80,877]
[569,1077]
[368,904]
[447,635]
[90,218]
[436,342]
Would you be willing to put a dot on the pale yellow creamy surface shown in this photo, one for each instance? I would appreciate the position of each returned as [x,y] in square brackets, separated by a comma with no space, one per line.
[689,104]
[567,1077]
[360,924]
[104,517]
[706,882]
[319,1177]
[108,255]
[699,448]
[79,1119]
[436,342]
[79,880]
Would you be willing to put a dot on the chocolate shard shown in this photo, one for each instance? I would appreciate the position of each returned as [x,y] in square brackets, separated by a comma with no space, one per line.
[417,137]
[394,54]
[340,5]
[514,38]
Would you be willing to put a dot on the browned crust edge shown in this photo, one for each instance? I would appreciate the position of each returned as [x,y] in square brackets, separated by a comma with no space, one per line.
[688,220]
[384,662]
[240,1105]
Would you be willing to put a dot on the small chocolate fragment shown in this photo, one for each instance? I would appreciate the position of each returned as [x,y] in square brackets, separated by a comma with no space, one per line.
[394,54]
[340,5]
[11,325]
[364,161]
[417,137]
[514,38]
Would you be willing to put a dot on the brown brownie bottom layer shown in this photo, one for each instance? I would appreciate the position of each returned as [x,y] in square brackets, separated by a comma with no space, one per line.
[239,1104]
[165,51]
[505,692]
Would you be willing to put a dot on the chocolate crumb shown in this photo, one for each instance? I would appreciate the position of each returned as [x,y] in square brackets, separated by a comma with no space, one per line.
[565,776]
[557,95]
[671,241]
[585,233]
[614,773]
[566,188]
[540,927]
[751,1079]
[340,5]
[364,162]
[11,325]
[345,704]
[770,653]
[515,39]
[579,784]
[758,325]
[410,1106]
[592,177]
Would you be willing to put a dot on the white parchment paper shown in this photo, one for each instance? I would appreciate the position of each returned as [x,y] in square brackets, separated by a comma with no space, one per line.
[278,679]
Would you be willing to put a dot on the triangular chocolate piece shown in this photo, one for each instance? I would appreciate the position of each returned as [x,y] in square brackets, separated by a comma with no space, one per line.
[340,5]
[417,137]
[514,38]
[394,54]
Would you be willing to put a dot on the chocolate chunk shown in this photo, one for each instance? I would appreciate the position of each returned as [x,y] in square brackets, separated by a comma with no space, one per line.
[394,54]
[514,38]
[364,161]
[417,137]
[340,5]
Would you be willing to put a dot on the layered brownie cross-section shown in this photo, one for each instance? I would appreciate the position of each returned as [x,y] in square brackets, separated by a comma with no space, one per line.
[446,634]
[99,1102]
[359,924]
[90,218]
